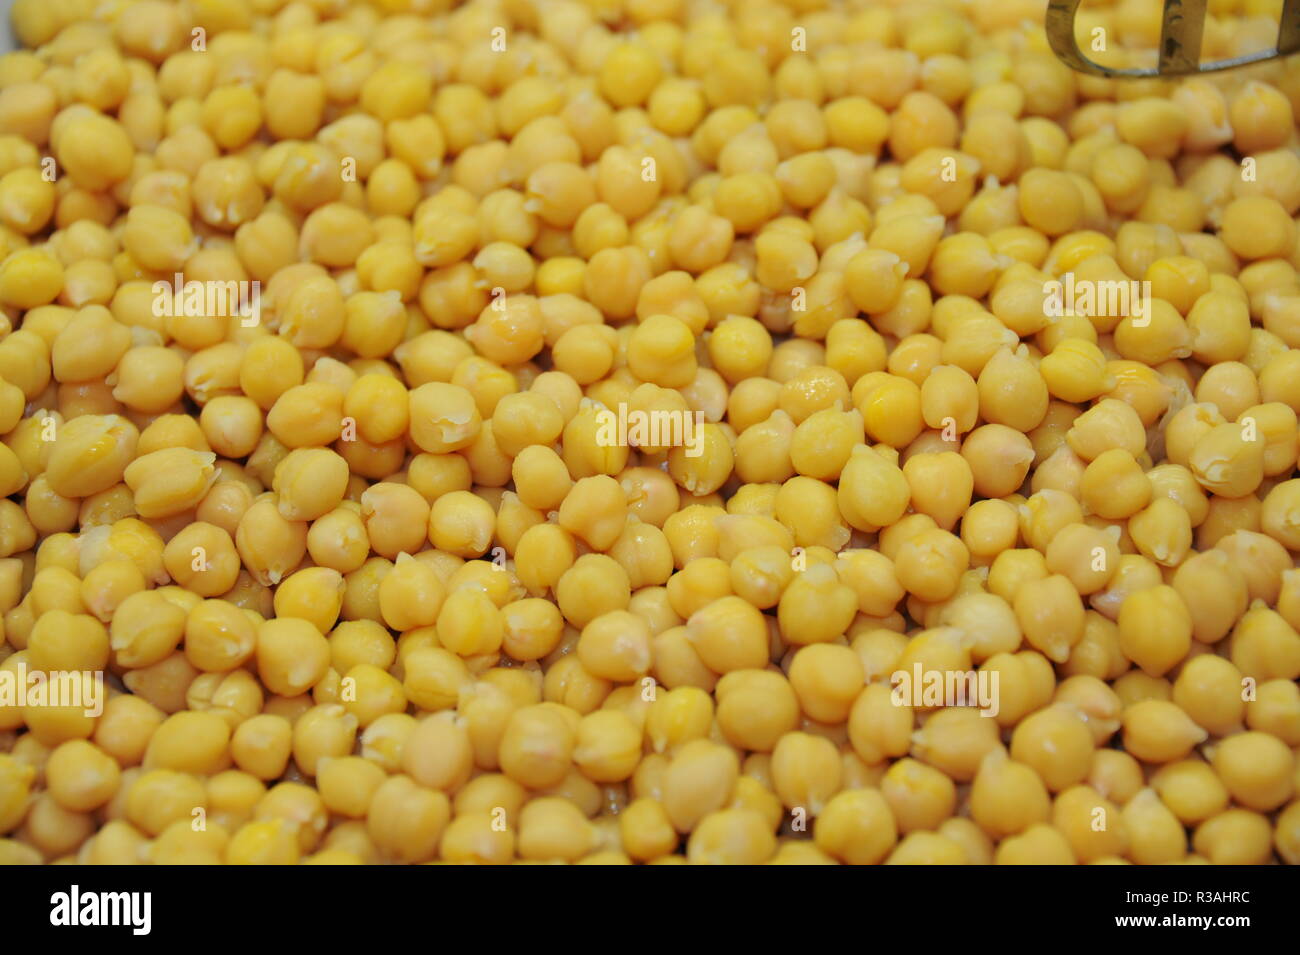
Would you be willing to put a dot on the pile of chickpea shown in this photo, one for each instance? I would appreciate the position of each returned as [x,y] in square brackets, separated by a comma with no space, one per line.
[358,575]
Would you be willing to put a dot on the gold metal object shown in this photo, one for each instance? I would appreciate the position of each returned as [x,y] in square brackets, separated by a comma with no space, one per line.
[1180,40]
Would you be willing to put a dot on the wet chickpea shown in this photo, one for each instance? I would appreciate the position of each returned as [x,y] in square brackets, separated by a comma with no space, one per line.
[1007,796]
[1257,769]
